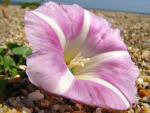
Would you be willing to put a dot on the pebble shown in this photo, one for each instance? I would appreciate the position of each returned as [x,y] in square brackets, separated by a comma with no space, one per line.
[130,111]
[36,109]
[79,106]
[144,92]
[145,84]
[146,79]
[12,111]
[26,110]
[41,111]
[145,105]
[5,109]
[28,102]
[12,102]
[68,108]
[145,110]
[98,110]
[36,96]
[24,92]
[56,107]
[137,109]
[144,99]
[22,67]
[45,103]
[140,81]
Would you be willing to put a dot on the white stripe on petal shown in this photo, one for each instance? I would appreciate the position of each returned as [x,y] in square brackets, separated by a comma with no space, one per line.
[74,47]
[98,59]
[108,56]
[53,24]
[85,27]
[65,83]
[89,76]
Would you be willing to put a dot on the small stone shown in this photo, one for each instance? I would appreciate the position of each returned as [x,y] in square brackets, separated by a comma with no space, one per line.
[13,111]
[145,110]
[24,92]
[131,111]
[140,81]
[144,99]
[12,102]
[28,103]
[26,110]
[79,106]
[145,84]
[36,96]
[98,110]
[22,67]
[146,105]
[146,79]
[68,108]
[41,111]
[144,92]
[56,107]
[36,109]
[137,109]
[45,103]
[18,99]
[1,105]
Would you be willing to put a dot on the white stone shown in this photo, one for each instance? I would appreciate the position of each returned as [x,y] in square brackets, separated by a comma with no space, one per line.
[140,81]
[26,110]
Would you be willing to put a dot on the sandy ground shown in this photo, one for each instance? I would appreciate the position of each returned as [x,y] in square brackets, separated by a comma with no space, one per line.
[136,32]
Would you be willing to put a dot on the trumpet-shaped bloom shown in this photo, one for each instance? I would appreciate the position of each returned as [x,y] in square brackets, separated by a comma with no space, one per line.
[78,55]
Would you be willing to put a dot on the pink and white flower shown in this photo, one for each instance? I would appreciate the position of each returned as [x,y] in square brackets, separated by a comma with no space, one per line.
[79,56]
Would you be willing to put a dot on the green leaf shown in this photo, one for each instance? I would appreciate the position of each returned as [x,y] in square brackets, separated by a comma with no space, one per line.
[12,45]
[1,61]
[9,62]
[3,51]
[14,71]
[23,51]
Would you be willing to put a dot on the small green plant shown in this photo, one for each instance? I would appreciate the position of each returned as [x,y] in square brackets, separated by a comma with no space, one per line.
[12,63]
[30,5]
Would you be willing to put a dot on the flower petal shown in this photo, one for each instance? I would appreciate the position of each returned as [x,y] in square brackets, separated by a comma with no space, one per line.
[74,47]
[54,26]
[102,38]
[97,92]
[122,73]
[69,18]
[99,59]
[49,71]
[117,69]
[40,35]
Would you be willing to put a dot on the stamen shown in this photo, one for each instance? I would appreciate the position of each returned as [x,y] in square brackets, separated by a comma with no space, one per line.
[78,61]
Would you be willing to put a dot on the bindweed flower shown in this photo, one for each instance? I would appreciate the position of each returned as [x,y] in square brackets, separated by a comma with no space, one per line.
[78,55]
